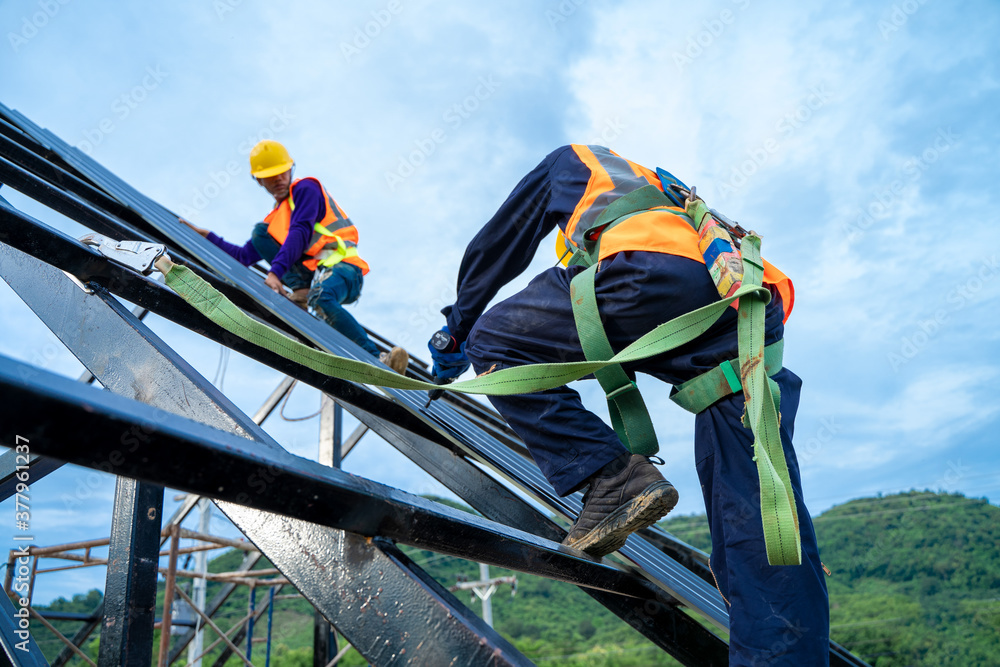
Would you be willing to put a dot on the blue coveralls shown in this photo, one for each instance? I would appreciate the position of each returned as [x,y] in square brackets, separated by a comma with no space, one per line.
[778,615]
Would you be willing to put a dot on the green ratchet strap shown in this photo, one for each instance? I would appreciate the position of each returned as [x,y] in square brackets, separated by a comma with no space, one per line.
[777,502]
[509,381]
[629,415]
[756,363]
[697,209]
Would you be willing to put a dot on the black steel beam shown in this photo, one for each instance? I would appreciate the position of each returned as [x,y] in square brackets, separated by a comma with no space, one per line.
[365,584]
[38,467]
[97,615]
[164,445]
[33,237]
[85,321]
[26,154]
[17,643]
[133,559]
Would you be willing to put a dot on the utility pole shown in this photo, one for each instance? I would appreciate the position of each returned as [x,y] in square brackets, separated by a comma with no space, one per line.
[484,589]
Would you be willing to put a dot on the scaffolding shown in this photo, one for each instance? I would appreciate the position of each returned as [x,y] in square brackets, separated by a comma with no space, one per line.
[172,534]
[333,536]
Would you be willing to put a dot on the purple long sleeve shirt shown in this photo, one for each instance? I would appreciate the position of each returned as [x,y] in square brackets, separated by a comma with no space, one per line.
[308,211]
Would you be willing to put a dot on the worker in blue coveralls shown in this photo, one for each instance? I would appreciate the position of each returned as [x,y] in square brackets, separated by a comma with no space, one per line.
[311,245]
[650,271]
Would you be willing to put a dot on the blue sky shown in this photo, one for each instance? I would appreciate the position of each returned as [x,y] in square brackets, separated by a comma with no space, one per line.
[860,141]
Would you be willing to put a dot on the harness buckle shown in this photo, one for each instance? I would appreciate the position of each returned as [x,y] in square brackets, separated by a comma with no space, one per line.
[624,389]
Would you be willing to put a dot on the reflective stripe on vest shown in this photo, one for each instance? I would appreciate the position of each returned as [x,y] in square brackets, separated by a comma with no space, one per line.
[664,229]
[611,177]
[334,229]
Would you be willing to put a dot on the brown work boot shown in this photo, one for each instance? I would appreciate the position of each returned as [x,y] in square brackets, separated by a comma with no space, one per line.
[397,359]
[625,495]
[300,298]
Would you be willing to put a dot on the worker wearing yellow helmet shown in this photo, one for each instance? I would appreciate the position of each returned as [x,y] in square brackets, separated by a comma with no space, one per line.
[311,245]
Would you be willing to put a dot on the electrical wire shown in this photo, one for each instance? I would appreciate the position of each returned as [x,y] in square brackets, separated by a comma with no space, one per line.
[284,402]
[220,369]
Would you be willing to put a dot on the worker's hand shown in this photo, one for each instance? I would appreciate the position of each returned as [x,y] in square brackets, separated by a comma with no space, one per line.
[201,230]
[449,360]
[274,283]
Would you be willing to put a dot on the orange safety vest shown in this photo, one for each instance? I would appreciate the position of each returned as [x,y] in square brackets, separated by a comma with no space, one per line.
[663,229]
[336,227]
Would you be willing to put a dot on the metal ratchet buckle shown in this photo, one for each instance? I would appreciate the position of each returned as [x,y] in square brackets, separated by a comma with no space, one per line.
[685,194]
[136,255]
[731,226]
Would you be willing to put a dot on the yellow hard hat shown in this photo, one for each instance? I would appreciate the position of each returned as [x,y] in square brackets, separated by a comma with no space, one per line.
[269,158]
[563,248]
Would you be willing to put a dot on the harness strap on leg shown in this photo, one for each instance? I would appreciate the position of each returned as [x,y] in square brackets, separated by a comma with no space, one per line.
[629,416]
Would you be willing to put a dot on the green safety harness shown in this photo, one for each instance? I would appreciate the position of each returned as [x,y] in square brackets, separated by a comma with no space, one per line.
[749,373]
[629,415]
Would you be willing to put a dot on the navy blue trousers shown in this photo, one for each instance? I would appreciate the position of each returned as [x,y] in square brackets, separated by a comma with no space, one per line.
[778,615]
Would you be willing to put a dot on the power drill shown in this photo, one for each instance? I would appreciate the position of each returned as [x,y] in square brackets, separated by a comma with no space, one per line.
[441,341]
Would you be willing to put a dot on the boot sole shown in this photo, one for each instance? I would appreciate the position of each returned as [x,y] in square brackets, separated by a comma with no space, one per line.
[651,505]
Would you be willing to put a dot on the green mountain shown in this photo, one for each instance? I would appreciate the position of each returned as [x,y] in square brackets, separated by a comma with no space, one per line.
[915,581]
[915,577]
